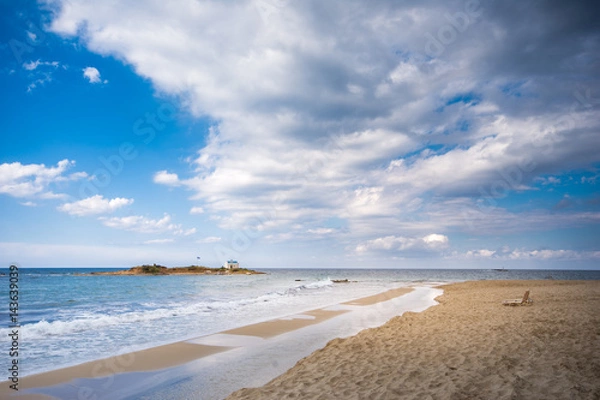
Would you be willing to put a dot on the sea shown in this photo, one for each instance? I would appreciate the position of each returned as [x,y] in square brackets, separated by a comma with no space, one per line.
[67,317]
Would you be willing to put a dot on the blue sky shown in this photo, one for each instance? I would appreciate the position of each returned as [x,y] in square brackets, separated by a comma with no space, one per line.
[440,134]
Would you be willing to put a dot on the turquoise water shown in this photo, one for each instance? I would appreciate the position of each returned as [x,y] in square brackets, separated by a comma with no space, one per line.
[67,319]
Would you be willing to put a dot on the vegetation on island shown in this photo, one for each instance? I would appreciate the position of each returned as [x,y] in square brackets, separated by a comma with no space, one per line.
[156,269]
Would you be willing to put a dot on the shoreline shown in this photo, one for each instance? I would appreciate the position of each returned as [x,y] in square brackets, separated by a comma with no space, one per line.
[178,354]
[468,346]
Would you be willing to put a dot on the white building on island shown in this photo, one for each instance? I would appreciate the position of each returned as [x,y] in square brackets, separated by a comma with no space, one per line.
[231,264]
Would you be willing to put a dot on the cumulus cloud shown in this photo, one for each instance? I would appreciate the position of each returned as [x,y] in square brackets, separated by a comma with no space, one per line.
[508,254]
[348,110]
[431,242]
[165,178]
[209,239]
[435,241]
[34,180]
[196,210]
[141,224]
[94,205]
[93,75]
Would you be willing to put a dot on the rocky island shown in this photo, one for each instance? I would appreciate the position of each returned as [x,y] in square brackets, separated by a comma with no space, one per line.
[191,270]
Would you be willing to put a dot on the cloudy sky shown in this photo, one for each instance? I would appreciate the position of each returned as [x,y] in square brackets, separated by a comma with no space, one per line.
[282,133]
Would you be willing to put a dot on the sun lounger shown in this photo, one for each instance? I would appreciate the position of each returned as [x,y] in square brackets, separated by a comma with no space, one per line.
[525,301]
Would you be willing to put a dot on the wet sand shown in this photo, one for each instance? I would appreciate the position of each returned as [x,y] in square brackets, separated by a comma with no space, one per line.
[145,360]
[276,327]
[175,354]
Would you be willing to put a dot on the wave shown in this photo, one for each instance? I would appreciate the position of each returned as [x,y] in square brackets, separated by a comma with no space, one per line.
[317,285]
[102,320]
[299,289]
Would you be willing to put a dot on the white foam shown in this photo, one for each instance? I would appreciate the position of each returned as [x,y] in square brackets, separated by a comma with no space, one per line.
[298,316]
[95,329]
[102,319]
[255,361]
[227,340]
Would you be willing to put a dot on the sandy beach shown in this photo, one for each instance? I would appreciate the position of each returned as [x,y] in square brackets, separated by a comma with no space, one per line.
[75,380]
[470,346]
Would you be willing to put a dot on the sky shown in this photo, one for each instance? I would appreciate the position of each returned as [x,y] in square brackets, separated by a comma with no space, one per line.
[338,133]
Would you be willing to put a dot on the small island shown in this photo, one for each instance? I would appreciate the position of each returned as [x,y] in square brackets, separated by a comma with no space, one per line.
[191,270]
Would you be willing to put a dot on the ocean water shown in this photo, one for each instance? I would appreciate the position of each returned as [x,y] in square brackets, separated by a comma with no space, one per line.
[66,319]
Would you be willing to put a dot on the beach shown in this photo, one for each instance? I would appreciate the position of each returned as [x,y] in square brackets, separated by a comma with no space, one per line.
[247,352]
[469,346]
[465,346]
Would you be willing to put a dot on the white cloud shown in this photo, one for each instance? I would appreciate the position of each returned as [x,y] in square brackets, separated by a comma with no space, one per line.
[431,242]
[32,65]
[141,224]
[32,36]
[349,117]
[165,178]
[435,241]
[196,210]
[550,180]
[506,254]
[94,205]
[322,231]
[210,239]
[93,75]
[41,80]
[482,253]
[39,73]
[33,180]
[159,241]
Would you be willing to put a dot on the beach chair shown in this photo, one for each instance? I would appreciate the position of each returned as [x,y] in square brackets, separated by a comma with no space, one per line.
[525,301]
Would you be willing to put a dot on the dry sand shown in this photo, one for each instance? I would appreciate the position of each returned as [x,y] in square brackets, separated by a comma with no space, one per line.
[469,346]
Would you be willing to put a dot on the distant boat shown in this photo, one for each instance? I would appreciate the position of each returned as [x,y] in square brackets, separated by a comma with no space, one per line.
[500,269]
